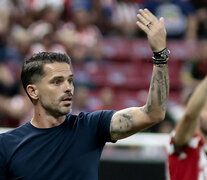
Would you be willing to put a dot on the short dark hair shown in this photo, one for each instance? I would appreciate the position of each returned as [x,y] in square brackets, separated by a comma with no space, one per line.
[33,67]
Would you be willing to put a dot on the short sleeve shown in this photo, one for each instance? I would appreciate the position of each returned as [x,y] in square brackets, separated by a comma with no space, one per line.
[2,161]
[101,121]
[104,125]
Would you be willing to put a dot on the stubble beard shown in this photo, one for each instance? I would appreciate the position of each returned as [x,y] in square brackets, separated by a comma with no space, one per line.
[56,112]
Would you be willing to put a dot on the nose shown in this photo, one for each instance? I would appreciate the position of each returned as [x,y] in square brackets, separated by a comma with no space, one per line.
[68,87]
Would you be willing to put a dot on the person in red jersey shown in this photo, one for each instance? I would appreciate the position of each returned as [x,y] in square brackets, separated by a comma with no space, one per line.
[187,159]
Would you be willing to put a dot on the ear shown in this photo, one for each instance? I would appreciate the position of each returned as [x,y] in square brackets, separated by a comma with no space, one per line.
[33,91]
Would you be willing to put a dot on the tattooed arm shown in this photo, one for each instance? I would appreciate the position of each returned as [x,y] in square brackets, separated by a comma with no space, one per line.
[131,120]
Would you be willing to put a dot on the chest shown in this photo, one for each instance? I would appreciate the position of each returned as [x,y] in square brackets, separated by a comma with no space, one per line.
[49,157]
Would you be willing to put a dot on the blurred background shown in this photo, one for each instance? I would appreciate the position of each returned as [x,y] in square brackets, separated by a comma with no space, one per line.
[112,64]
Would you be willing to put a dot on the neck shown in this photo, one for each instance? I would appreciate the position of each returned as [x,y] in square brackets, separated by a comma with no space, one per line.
[43,120]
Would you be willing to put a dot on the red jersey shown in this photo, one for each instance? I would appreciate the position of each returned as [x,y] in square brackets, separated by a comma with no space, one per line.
[190,163]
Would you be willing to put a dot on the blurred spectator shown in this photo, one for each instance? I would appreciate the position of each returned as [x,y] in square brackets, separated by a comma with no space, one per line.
[43,31]
[8,49]
[8,85]
[166,126]
[124,16]
[47,41]
[15,110]
[4,15]
[38,5]
[187,144]
[107,99]
[199,66]
[22,41]
[201,15]
[121,14]
[81,37]
[180,19]
[80,100]
[196,69]
[13,102]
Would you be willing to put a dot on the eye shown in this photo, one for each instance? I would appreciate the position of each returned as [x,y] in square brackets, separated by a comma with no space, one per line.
[70,81]
[57,81]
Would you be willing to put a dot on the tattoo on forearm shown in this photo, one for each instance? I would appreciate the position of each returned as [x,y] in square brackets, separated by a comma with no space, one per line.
[166,86]
[159,90]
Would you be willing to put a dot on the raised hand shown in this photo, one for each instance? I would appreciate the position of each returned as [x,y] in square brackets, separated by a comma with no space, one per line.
[154,28]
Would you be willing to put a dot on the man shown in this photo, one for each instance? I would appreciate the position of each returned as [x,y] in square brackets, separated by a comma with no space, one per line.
[58,145]
[187,151]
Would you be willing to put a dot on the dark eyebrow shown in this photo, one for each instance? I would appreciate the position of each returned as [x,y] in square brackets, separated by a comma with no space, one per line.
[70,76]
[59,77]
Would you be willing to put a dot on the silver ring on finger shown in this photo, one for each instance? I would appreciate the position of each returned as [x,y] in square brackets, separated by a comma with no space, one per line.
[149,24]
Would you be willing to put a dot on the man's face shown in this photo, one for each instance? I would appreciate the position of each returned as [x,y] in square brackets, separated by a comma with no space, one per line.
[55,89]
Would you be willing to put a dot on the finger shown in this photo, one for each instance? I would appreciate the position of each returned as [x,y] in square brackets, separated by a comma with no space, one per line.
[143,27]
[142,19]
[150,15]
[144,14]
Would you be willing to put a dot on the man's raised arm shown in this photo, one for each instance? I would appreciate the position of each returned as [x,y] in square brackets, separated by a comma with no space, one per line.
[131,120]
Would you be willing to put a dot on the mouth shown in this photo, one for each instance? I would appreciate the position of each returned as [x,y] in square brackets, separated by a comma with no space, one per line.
[67,100]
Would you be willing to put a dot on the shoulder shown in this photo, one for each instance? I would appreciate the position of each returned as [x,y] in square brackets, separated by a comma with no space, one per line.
[91,118]
[91,115]
[104,115]
[16,130]
[14,135]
